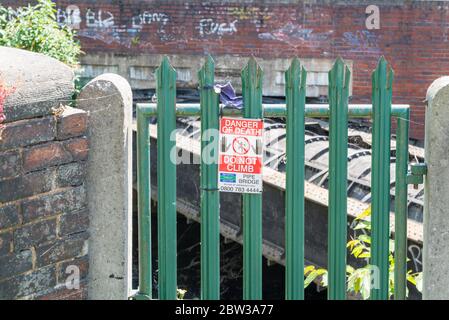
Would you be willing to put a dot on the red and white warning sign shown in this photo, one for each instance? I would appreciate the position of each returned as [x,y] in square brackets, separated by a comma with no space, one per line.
[241,155]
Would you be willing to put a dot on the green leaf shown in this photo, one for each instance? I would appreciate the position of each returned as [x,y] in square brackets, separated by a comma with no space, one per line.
[363,225]
[352,243]
[349,269]
[364,238]
[364,214]
[364,255]
[308,269]
[411,279]
[419,281]
[310,278]
[324,279]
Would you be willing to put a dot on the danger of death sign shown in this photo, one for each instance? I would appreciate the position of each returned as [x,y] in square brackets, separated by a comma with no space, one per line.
[241,156]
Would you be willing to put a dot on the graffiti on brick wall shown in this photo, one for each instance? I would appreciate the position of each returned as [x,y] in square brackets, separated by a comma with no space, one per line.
[71,16]
[148,17]
[99,19]
[211,26]
[258,16]
[100,24]
[295,35]
[361,40]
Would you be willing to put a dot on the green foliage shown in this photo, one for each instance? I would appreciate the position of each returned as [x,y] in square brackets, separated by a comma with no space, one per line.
[180,293]
[35,28]
[359,280]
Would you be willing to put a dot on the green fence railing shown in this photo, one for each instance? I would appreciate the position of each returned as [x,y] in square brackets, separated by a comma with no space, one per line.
[295,110]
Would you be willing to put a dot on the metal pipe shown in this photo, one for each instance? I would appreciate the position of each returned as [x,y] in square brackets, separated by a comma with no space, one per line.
[278,110]
[144,204]
[400,208]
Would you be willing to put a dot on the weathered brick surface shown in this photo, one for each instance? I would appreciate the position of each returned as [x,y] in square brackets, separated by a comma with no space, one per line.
[35,234]
[45,155]
[43,204]
[71,123]
[78,148]
[9,216]
[27,132]
[63,249]
[15,263]
[63,293]
[9,164]
[66,268]
[59,202]
[73,222]
[28,284]
[5,242]
[25,185]
[72,174]
[17,111]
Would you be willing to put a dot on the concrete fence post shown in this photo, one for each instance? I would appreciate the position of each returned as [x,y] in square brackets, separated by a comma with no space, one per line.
[436,193]
[108,99]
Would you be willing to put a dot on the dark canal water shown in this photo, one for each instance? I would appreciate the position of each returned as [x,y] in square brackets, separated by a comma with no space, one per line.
[231,261]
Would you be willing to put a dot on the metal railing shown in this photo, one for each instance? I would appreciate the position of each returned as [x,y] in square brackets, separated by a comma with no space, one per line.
[295,110]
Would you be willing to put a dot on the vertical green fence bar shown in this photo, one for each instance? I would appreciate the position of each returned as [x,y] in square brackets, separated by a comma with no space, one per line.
[210,197]
[338,158]
[400,211]
[252,203]
[166,180]
[380,179]
[144,206]
[295,93]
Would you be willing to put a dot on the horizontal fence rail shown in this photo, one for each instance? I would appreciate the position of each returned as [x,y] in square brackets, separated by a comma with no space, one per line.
[355,111]
[295,110]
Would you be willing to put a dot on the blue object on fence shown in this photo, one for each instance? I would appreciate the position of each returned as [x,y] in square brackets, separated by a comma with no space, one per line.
[228,96]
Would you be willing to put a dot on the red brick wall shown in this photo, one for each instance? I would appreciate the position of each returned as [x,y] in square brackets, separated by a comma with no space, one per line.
[413,36]
[43,204]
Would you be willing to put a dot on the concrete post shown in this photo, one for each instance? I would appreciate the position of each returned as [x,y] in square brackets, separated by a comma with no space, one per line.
[108,99]
[436,193]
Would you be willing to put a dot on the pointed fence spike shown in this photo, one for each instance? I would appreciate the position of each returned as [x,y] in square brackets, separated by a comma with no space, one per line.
[380,179]
[295,94]
[166,124]
[338,154]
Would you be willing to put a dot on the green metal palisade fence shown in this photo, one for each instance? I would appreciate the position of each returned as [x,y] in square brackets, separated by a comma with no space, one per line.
[295,110]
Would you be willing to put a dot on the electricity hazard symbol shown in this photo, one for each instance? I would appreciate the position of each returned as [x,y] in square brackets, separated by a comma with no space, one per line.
[241,155]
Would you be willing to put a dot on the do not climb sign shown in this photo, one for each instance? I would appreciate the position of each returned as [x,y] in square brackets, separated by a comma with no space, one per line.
[241,156]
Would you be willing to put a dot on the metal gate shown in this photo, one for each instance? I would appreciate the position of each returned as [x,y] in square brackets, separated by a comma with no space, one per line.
[295,110]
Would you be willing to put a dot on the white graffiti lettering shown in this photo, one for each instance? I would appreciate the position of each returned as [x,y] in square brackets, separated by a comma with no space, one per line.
[98,20]
[147,17]
[211,27]
[71,16]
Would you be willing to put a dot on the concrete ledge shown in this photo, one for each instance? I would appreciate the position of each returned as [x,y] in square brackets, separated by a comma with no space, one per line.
[21,70]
